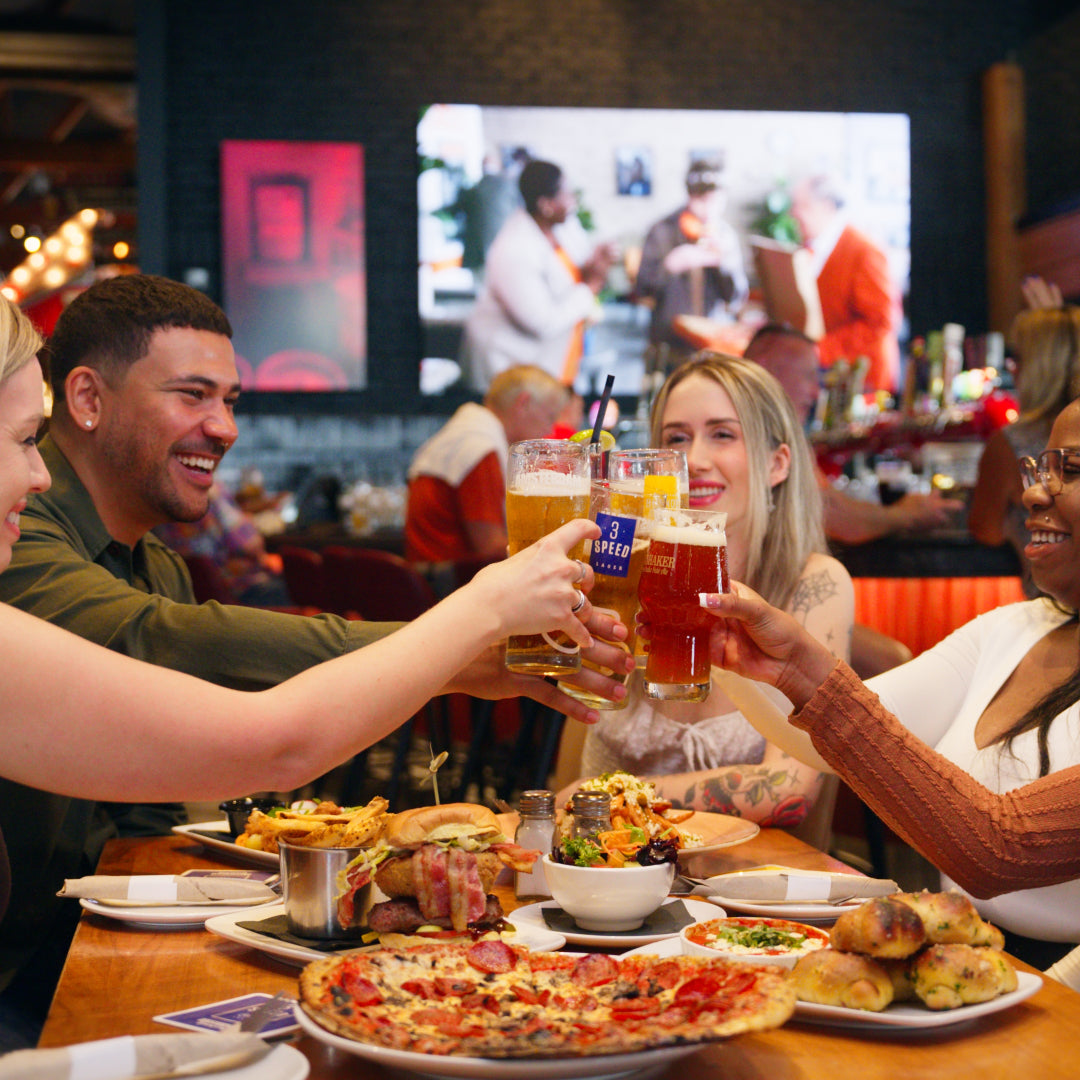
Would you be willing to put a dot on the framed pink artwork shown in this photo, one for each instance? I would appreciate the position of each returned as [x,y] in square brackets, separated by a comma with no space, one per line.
[292,217]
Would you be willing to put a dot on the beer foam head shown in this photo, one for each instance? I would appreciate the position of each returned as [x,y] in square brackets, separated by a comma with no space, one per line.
[549,482]
[681,527]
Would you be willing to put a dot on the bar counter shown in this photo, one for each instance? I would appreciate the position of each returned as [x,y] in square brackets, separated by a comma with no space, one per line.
[117,977]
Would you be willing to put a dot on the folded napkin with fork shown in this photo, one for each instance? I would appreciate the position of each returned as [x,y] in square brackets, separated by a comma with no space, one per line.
[136,1056]
[785,885]
[153,890]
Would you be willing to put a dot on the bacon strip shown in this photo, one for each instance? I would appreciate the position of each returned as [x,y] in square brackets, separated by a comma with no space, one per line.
[515,856]
[467,899]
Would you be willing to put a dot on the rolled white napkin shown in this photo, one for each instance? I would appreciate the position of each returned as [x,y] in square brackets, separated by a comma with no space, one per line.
[791,886]
[153,890]
[135,1056]
[1067,969]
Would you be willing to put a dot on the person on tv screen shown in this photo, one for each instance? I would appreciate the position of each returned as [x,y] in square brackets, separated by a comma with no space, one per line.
[540,286]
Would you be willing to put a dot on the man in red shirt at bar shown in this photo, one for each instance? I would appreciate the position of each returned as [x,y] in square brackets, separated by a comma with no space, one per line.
[457,481]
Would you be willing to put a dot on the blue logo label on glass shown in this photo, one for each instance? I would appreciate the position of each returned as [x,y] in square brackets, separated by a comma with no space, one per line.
[611,553]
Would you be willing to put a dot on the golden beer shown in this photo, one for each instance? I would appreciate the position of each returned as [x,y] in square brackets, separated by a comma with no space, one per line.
[687,557]
[616,596]
[537,503]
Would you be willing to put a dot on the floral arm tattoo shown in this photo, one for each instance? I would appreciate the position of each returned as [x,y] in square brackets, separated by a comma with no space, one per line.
[772,795]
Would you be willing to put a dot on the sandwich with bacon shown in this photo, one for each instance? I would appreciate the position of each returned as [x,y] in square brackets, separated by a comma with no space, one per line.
[437,865]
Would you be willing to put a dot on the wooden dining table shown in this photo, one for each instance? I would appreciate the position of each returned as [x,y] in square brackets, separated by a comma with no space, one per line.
[118,976]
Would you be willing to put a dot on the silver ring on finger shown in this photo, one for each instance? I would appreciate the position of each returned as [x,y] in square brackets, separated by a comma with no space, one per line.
[581,573]
[580,602]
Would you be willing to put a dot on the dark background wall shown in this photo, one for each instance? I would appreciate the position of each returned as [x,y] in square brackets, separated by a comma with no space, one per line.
[360,69]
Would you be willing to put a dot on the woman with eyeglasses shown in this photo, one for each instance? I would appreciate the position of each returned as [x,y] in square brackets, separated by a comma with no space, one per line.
[970,752]
[1046,345]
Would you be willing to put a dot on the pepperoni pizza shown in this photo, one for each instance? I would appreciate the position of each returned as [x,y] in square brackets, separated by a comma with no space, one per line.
[496,1000]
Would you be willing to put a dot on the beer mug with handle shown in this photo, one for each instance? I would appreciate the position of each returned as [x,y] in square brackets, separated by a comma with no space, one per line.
[616,559]
[547,485]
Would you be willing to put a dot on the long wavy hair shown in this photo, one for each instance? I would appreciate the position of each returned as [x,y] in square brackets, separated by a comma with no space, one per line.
[1047,341]
[19,340]
[780,540]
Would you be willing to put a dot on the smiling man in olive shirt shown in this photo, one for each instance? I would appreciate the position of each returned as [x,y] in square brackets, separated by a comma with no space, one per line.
[144,381]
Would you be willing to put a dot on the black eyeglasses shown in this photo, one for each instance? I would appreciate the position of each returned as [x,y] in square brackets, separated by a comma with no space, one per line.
[1055,469]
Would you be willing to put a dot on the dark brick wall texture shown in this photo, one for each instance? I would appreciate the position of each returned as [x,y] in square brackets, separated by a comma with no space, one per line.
[360,69]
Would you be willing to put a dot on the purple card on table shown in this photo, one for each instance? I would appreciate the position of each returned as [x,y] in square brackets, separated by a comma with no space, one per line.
[226,1015]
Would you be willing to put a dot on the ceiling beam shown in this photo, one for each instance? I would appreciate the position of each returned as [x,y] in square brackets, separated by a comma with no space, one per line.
[88,54]
[74,155]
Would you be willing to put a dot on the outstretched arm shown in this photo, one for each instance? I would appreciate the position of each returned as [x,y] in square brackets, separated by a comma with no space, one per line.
[111,727]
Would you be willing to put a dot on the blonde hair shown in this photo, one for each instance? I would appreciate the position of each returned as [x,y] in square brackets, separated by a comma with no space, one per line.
[779,541]
[19,340]
[539,384]
[1048,375]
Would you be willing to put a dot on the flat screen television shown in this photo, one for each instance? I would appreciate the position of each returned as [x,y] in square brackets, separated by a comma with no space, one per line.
[629,168]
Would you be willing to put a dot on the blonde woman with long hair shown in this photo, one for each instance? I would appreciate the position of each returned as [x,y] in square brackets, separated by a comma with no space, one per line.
[747,456]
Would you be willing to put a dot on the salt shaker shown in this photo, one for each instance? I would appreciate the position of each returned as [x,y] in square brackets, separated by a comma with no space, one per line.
[536,831]
[591,811]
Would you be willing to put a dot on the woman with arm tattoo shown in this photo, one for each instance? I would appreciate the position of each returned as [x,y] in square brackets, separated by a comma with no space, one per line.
[747,456]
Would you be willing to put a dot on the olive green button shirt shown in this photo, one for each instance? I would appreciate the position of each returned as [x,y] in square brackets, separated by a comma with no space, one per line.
[138,601]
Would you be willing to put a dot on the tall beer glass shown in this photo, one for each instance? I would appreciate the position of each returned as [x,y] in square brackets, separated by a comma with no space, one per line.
[638,474]
[547,485]
[687,556]
[641,479]
[616,559]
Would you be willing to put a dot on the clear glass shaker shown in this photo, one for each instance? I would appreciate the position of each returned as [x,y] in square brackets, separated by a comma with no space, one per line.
[591,812]
[536,831]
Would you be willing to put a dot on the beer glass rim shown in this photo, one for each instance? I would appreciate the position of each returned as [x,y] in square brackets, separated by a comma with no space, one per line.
[552,445]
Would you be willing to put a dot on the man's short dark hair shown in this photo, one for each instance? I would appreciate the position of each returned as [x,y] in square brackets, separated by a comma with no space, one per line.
[539,180]
[774,330]
[109,326]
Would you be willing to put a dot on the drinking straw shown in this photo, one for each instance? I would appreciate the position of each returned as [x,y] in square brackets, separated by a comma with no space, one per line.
[601,412]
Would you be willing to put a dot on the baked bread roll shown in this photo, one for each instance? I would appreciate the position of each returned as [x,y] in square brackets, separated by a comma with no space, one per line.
[828,977]
[950,918]
[948,976]
[882,927]
[899,971]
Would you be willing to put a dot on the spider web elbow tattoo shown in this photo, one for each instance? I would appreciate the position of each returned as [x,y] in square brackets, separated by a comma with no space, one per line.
[812,592]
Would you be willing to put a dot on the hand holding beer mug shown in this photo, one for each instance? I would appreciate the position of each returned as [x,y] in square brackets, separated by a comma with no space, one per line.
[547,485]
[616,559]
[687,557]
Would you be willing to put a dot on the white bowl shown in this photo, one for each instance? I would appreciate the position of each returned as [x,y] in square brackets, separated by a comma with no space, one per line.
[701,939]
[607,898]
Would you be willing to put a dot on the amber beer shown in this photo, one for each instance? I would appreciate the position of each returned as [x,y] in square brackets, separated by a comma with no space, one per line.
[687,556]
[547,486]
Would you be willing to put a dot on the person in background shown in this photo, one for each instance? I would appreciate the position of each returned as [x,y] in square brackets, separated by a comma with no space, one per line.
[793,358]
[540,286]
[859,300]
[969,753]
[457,480]
[1045,342]
[746,456]
[229,537]
[691,261]
[144,382]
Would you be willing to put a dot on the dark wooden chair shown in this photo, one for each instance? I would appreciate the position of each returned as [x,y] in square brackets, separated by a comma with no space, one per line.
[383,587]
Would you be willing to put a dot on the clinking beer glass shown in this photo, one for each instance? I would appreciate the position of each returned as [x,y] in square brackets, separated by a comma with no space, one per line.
[617,559]
[547,485]
[687,556]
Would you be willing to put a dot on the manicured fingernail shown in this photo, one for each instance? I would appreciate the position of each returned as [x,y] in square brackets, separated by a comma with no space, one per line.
[708,600]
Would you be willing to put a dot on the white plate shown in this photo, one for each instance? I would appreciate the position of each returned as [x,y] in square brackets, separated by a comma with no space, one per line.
[168,916]
[905,1014]
[808,911]
[282,1063]
[531,916]
[914,1017]
[227,926]
[473,1068]
[195,830]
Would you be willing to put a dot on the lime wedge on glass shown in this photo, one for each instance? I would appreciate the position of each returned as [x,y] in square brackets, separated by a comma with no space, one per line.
[607,440]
